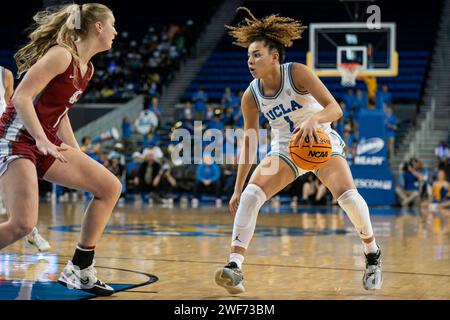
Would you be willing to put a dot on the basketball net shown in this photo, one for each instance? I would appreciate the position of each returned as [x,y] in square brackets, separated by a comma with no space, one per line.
[349,72]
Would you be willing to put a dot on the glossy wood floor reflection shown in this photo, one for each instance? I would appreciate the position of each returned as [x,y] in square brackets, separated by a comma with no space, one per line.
[295,254]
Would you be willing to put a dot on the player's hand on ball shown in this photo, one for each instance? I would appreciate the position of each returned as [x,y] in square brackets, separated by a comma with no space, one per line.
[306,131]
[234,202]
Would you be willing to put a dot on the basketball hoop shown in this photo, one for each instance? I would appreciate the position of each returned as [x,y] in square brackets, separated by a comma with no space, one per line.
[349,72]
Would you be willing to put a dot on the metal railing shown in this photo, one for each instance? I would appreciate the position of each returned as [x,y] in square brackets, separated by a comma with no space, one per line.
[421,135]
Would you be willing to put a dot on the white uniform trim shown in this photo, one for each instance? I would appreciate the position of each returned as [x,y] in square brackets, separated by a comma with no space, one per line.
[285,111]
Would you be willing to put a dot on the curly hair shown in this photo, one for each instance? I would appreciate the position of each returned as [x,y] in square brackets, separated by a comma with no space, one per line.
[277,32]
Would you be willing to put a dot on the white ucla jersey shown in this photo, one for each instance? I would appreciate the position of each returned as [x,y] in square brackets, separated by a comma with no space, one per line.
[287,108]
[2,89]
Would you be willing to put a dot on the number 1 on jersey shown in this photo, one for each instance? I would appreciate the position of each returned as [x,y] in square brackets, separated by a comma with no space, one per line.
[291,124]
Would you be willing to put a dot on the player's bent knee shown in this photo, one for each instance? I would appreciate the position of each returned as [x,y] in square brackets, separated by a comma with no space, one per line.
[117,189]
[344,191]
[252,199]
[110,188]
[23,228]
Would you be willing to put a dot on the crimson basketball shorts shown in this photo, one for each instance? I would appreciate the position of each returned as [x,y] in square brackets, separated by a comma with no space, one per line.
[13,150]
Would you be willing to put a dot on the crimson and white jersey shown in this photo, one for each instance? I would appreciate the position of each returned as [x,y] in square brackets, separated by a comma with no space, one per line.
[51,106]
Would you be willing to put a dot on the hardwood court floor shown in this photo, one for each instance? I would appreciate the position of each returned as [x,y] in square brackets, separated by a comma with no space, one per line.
[296,254]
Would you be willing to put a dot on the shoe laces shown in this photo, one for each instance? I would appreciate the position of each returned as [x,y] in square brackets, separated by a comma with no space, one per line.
[91,271]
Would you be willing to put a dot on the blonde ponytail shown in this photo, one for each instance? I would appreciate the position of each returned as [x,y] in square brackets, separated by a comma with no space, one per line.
[59,26]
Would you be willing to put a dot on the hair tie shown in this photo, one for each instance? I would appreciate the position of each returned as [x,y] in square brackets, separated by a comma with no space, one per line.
[74,19]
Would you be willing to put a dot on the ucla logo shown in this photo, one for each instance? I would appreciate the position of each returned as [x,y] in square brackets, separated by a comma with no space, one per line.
[318,154]
[280,110]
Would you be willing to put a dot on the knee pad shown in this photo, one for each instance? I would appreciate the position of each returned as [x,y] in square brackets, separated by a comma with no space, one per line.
[358,212]
[251,201]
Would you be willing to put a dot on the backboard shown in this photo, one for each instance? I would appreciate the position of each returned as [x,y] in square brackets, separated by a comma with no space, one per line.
[331,44]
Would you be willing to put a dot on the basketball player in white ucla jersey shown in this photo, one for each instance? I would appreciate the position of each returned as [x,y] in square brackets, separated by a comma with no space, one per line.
[295,102]
[6,87]
[6,92]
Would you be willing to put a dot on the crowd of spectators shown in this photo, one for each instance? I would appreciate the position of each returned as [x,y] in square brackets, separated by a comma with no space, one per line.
[144,163]
[419,186]
[139,66]
[142,158]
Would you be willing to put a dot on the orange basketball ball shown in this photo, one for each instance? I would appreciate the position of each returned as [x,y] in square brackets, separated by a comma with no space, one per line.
[314,157]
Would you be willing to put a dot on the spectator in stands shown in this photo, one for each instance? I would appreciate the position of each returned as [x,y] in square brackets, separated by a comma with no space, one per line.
[229,176]
[349,139]
[156,107]
[228,117]
[207,178]
[132,171]
[90,149]
[441,190]
[353,124]
[118,170]
[164,184]
[408,189]
[386,95]
[186,123]
[442,152]
[118,151]
[390,123]
[313,192]
[229,142]
[349,100]
[229,99]
[340,123]
[216,122]
[126,134]
[119,75]
[151,140]
[147,173]
[187,112]
[200,98]
[107,92]
[146,122]
[158,154]
[359,104]
[424,179]
[346,113]
[209,114]
[439,197]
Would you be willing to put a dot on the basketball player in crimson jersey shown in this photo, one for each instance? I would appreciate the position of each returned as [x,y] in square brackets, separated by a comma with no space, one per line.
[37,140]
[6,92]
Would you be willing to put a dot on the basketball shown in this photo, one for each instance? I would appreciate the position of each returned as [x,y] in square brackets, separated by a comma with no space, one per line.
[314,157]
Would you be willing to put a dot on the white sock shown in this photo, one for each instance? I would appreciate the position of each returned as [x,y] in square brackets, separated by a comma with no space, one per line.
[237,258]
[358,212]
[251,201]
[370,247]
